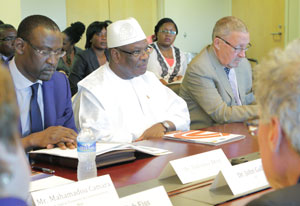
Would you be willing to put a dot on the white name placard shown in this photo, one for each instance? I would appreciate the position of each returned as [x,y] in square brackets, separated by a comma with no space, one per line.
[154,197]
[197,167]
[84,193]
[242,178]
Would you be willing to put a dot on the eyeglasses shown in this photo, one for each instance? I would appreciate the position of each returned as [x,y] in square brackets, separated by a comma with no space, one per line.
[47,53]
[168,32]
[8,38]
[252,125]
[236,49]
[138,53]
[101,34]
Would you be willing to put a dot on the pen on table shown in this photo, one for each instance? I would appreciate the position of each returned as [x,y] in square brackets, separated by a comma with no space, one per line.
[42,169]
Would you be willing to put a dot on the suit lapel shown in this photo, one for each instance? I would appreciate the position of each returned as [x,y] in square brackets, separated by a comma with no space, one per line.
[49,103]
[94,59]
[220,72]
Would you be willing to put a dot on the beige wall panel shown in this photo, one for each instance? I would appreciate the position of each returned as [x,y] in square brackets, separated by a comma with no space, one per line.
[86,11]
[10,11]
[144,11]
[195,20]
[262,18]
[292,20]
[54,9]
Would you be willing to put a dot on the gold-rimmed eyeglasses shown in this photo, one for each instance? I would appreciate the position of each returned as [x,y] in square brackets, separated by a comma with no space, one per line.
[46,53]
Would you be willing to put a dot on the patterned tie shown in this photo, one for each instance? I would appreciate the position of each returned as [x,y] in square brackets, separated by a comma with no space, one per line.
[231,77]
[35,113]
[227,70]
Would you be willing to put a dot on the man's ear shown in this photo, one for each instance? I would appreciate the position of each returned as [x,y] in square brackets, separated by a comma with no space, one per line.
[276,135]
[216,43]
[115,55]
[19,45]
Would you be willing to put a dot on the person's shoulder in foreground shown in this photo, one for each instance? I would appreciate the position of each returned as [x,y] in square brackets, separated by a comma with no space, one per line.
[288,196]
[217,85]
[278,97]
[14,169]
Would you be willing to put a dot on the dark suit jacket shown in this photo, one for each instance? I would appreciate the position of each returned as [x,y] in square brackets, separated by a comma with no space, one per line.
[289,196]
[57,102]
[61,66]
[84,63]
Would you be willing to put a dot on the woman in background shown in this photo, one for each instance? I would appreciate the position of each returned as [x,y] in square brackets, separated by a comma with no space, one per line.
[71,36]
[14,168]
[93,57]
[167,62]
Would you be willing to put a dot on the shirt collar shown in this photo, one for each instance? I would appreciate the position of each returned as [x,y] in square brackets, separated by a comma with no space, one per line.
[5,58]
[20,81]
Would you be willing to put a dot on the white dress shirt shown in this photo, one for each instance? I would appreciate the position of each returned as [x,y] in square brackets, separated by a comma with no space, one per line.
[234,86]
[24,93]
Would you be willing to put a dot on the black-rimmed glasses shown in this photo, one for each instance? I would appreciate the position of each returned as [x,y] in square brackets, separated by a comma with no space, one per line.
[236,49]
[138,53]
[8,38]
[47,53]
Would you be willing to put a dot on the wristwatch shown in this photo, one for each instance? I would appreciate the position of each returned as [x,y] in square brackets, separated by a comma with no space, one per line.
[166,125]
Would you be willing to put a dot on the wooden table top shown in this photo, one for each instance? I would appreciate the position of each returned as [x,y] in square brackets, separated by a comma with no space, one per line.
[149,168]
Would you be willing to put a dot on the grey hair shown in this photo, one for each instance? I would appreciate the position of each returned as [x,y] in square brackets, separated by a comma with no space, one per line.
[277,90]
[228,24]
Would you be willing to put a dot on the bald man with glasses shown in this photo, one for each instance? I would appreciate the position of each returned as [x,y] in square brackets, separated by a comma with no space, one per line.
[218,82]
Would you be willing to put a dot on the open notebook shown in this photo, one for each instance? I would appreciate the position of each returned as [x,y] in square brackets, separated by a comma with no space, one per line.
[106,154]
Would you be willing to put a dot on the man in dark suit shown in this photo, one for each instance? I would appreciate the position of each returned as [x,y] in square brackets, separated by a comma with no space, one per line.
[277,89]
[44,97]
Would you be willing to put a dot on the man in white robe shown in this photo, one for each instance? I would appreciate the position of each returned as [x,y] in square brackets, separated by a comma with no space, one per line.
[121,101]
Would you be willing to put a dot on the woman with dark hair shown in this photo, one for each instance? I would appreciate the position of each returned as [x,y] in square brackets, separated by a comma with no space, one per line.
[71,35]
[93,57]
[167,62]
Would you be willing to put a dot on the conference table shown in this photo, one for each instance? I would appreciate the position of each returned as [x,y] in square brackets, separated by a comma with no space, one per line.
[145,169]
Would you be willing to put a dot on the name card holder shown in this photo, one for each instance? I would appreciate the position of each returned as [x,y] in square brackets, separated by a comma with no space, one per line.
[241,179]
[203,166]
[230,183]
[84,193]
[155,197]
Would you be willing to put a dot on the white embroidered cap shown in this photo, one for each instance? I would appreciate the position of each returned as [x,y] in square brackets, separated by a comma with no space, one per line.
[124,32]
